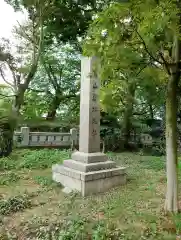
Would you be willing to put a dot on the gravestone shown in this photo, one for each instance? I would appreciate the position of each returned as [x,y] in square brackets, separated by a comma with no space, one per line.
[89,171]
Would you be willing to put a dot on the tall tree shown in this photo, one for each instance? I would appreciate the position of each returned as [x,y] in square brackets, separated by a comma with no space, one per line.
[65,20]
[152,29]
[56,82]
[22,65]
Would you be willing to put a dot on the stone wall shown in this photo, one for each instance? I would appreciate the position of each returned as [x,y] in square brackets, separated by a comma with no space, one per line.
[25,138]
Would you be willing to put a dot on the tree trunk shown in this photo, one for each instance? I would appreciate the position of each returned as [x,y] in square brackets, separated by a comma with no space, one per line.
[54,105]
[171,203]
[128,115]
[6,139]
[151,111]
[7,132]
[7,129]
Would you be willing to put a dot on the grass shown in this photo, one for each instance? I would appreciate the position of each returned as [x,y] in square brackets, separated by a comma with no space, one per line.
[14,204]
[9,178]
[37,159]
[34,207]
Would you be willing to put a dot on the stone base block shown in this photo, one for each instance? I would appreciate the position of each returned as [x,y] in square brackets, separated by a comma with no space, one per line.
[88,167]
[89,157]
[90,182]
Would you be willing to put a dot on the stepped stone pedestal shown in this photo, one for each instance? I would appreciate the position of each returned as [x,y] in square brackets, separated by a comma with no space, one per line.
[89,171]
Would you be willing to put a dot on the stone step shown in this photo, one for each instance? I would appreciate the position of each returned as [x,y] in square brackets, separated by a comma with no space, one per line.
[89,157]
[83,167]
[90,182]
[87,176]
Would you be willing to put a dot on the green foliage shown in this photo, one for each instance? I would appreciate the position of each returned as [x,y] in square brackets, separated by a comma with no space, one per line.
[9,178]
[41,159]
[154,163]
[7,124]
[179,165]
[98,217]
[14,204]
[55,86]
[7,163]
[43,180]
[64,20]
[102,231]
[74,229]
[132,87]
[33,159]
[177,221]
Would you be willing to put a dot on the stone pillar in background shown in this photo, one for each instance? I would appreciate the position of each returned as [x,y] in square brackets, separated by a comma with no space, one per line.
[89,171]
[73,133]
[25,131]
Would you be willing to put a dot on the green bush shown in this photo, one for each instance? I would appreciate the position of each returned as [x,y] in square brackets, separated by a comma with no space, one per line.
[154,163]
[33,159]
[76,229]
[42,159]
[179,165]
[43,180]
[7,164]
[14,204]
[103,232]
[8,178]
[73,229]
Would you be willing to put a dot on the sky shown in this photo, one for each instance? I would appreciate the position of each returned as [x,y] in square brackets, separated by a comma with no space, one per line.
[8,18]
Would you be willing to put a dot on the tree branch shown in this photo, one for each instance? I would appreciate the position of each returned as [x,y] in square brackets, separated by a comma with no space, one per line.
[36,57]
[66,97]
[6,96]
[13,74]
[39,91]
[146,49]
[35,90]
[141,69]
[25,34]
[139,114]
[165,63]
[4,79]
[50,75]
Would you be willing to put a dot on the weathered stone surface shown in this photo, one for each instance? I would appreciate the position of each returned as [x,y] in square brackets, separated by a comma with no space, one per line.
[89,137]
[88,176]
[91,182]
[89,157]
[25,136]
[67,190]
[89,170]
[83,167]
[67,181]
[102,185]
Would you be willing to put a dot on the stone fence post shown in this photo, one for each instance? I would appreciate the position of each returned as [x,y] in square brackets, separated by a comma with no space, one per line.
[25,132]
[73,133]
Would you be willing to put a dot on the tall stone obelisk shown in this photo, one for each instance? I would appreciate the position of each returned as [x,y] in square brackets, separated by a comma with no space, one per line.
[89,171]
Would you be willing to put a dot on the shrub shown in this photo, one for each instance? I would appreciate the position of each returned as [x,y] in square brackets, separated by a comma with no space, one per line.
[103,232]
[7,164]
[73,229]
[14,204]
[155,163]
[76,229]
[41,159]
[43,180]
[8,178]
[33,159]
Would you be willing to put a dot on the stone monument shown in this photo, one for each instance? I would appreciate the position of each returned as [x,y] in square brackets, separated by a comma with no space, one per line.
[89,171]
